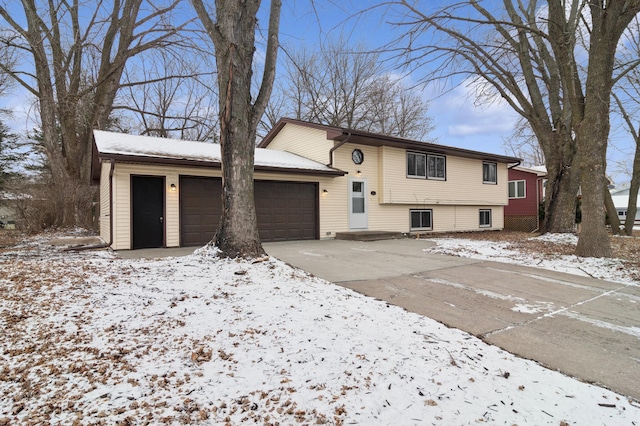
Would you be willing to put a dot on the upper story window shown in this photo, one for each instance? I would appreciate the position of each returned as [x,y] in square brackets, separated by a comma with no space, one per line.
[489,172]
[517,189]
[426,166]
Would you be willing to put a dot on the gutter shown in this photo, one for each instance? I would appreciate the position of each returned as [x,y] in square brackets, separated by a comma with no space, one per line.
[336,147]
[104,245]
[515,165]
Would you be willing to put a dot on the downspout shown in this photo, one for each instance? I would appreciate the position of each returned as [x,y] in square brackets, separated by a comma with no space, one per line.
[336,147]
[104,245]
[538,191]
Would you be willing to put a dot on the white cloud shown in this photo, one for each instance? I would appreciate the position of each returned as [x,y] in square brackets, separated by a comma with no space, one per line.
[464,116]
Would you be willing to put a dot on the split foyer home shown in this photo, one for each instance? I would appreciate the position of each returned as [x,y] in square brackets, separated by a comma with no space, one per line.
[311,182]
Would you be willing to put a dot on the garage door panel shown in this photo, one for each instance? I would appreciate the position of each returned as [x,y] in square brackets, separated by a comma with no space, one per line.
[200,209]
[284,210]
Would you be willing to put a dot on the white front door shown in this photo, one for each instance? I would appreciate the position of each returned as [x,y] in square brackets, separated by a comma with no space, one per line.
[358,204]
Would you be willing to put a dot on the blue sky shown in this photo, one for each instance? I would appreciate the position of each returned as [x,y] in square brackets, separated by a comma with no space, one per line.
[458,121]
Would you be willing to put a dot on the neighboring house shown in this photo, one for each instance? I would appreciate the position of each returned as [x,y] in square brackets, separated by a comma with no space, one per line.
[8,213]
[621,201]
[311,182]
[526,192]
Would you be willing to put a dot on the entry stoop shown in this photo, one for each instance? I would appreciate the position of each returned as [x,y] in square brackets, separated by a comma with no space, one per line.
[369,235]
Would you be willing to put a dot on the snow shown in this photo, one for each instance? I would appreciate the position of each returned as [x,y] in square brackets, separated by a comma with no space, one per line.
[96,339]
[148,146]
[601,268]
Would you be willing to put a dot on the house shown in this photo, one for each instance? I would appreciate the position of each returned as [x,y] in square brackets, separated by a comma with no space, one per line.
[621,201]
[8,214]
[526,192]
[311,182]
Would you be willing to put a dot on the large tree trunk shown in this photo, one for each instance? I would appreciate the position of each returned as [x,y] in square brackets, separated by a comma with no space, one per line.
[238,231]
[560,198]
[592,131]
[73,98]
[594,239]
[563,178]
[233,36]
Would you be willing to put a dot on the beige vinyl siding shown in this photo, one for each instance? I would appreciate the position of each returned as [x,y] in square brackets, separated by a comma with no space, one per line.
[463,184]
[329,222]
[455,202]
[305,141]
[104,220]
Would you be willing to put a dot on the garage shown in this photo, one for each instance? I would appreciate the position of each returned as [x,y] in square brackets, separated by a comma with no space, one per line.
[285,210]
[200,209]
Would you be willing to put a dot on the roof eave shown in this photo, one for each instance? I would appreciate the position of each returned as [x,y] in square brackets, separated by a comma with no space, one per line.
[129,158]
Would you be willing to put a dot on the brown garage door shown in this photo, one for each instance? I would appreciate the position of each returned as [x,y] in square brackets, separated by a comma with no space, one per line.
[286,210]
[200,209]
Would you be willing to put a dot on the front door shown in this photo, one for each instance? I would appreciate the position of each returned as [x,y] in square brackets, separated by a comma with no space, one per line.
[358,204]
[147,211]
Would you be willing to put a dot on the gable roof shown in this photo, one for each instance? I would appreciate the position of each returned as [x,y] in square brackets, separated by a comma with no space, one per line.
[339,134]
[149,149]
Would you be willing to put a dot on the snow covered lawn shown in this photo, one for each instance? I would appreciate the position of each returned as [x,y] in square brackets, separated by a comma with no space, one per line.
[93,339]
[548,251]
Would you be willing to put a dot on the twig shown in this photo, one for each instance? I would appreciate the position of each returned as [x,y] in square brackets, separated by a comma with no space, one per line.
[453,361]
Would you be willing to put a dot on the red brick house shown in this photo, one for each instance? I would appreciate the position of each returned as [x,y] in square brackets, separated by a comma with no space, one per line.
[526,192]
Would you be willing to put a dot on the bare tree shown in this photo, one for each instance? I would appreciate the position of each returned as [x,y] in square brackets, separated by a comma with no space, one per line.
[74,55]
[232,29]
[528,56]
[505,57]
[522,143]
[348,87]
[169,94]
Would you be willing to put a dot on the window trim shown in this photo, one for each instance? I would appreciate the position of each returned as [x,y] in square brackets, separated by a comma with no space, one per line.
[426,157]
[480,224]
[515,182]
[430,228]
[495,165]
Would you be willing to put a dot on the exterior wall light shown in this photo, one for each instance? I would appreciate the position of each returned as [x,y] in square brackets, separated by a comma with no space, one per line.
[173,187]
[325,192]
[358,173]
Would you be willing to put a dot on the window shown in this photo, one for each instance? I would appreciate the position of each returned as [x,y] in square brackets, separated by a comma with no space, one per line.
[416,165]
[485,218]
[517,189]
[489,173]
[426,166]
[421,219]
[436,167]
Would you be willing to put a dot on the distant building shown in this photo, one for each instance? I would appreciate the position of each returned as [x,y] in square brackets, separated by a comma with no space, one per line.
[7,210]
[621,201]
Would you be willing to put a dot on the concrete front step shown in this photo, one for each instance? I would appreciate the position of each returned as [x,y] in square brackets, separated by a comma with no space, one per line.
[369,235]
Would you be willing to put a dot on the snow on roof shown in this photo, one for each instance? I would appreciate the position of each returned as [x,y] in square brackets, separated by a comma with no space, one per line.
[538,170]
[155,147]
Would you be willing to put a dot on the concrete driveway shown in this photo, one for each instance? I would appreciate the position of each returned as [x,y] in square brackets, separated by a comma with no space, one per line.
[586,328]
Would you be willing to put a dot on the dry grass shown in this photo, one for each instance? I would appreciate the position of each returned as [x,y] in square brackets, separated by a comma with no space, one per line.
[9,238]
[625,248]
